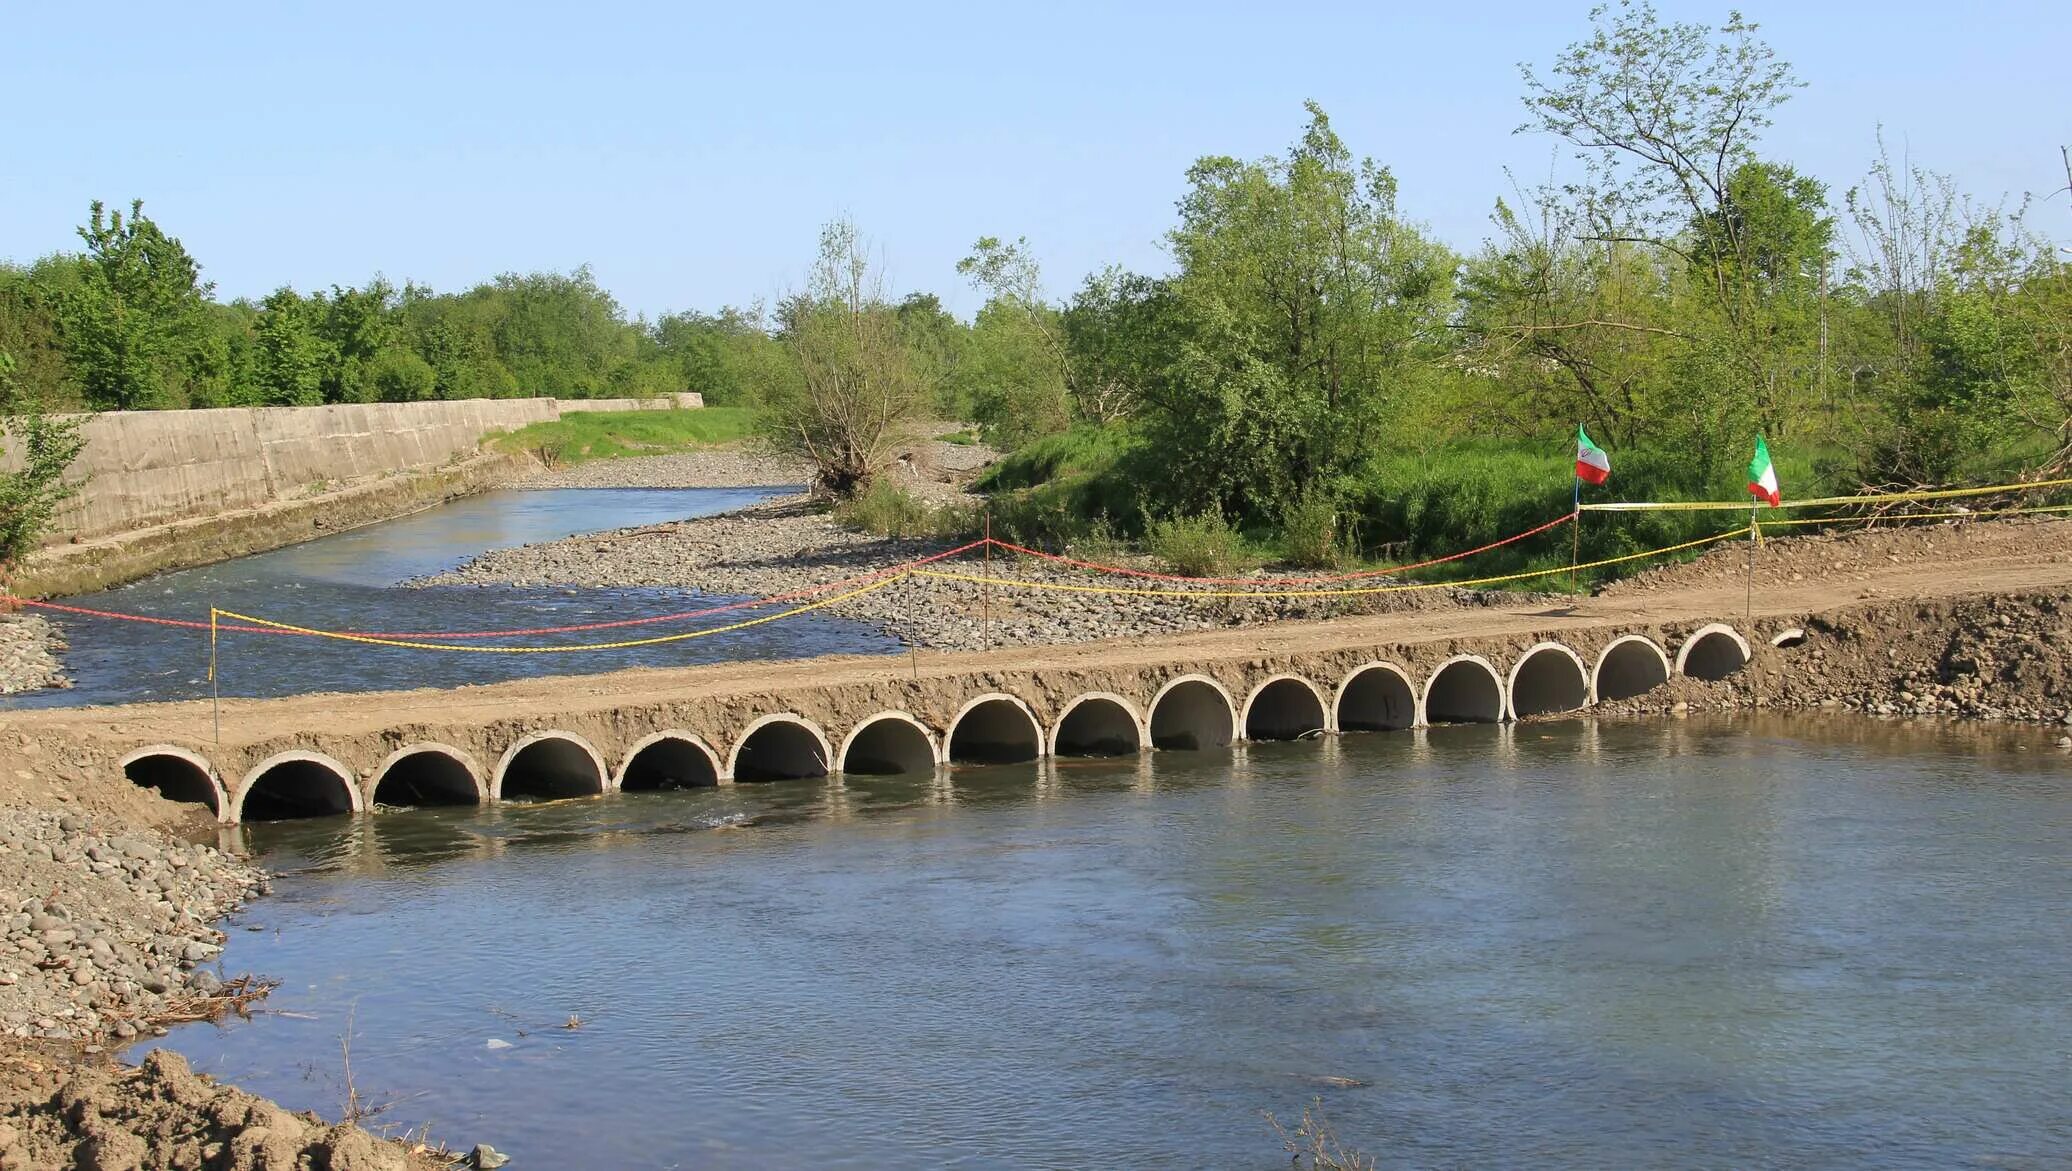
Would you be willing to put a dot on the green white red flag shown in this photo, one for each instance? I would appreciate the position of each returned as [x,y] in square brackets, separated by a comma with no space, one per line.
[1762,475]
[1593,466]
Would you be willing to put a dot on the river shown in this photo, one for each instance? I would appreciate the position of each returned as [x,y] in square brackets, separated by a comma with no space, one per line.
[1695,943]
[351,581]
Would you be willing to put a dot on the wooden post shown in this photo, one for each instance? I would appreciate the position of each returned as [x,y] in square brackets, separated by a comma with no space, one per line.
[985,587]
[215,688]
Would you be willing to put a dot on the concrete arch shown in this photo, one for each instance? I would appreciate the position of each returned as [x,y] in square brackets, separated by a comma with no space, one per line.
[1630,666]
[994,728]
[427,774]
[1376,697]
[784,746]
[1193,712]
[1098,723]
[178,775]
[1284,707]
[295,784]
[1789,637]
[1464,689]
[669,759]
[1713,651]
[1548,678]
[888,743]
[549,765]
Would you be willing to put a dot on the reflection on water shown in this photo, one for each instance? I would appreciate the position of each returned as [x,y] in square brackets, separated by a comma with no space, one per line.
[1706,943]
[349,582]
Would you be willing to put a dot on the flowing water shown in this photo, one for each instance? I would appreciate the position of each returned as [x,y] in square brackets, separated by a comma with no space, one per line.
[1733,943]
[350,582]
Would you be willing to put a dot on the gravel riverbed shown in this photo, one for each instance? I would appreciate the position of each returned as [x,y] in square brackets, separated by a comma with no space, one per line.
[29,650]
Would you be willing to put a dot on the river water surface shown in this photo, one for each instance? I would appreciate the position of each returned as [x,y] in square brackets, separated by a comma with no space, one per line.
[351,581]
[1734,943]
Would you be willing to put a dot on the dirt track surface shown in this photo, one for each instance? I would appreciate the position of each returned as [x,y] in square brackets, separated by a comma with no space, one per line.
[1942,562]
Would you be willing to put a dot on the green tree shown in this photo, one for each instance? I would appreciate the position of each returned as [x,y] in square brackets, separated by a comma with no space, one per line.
[293,358]
[134,330]
[1014,371]
[858,393]
[31,490]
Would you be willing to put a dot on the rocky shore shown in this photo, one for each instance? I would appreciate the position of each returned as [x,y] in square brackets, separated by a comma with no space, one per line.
[690,469]
[789,545]
[29,650]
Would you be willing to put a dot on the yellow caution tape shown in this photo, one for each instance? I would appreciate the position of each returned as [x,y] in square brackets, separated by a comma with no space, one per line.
[1823,501]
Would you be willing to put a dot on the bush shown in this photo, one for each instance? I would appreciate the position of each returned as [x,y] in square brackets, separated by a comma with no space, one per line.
[1309,531]
[1198,546]
[887,510]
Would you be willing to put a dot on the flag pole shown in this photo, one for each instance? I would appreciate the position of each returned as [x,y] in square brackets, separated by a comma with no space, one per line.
[1748,607]
[1575,536]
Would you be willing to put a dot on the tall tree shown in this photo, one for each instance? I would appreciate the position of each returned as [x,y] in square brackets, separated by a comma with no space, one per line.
[292,354]
[31,490]
[133,324]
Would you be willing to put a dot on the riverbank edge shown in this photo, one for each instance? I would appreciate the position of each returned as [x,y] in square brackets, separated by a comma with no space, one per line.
[111,561]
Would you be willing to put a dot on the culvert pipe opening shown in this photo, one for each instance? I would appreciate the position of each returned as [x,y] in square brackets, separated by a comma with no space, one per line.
[1464,691]
[427,777]
[886,746]
[175,777]
[1377,699]
[1630,667]
[1097,726]
[1549,679]
[995,731]
[1714,654]
[1284,709]
[1192,714]
[296,788]
[551,768]
[780,751]
[668,762]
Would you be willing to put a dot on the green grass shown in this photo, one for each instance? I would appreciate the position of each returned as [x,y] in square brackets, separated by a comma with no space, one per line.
[582,436]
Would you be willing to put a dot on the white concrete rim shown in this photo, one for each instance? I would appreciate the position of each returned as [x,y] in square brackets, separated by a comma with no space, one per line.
[223,810]
[503,764]
[1583,672]
[1244,715]
[971,705]
[1151,709]
[1790,636]
[1140,719]
[1503,694]
[827,756]
[1683,649]
[344,775]
[1416,700]
[936,747]
[618,778]
[460,756]
[1615,644]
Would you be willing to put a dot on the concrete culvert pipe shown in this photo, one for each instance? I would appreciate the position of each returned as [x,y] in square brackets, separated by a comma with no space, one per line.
[178,775]
[548,767]
[297,785]
[1377,698]
[1284,708]
[780,748]
[888,744]
[1630,666]
[1712,652]
[1464,690]
[995,729]
[1192,713]
[1548,678]
[1097,725]
[668,761]
[427,775]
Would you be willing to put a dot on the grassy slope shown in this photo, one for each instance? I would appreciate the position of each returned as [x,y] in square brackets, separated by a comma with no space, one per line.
[587,435]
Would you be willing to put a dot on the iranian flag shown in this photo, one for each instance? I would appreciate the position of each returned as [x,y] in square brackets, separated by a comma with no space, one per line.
[1762,475]
[1592,465]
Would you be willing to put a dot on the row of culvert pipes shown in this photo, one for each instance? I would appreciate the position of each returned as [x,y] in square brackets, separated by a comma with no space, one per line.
[1187,712]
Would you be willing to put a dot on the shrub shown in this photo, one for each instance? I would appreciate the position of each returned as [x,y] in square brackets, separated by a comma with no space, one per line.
[1204,545]
[1309,530]
[887,510]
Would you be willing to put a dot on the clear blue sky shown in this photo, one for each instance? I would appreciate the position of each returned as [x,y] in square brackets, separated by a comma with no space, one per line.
[689,156]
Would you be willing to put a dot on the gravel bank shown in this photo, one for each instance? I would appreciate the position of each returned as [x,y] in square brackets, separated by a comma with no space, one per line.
[783,546]
[691,469]
[29,650]
[107,930]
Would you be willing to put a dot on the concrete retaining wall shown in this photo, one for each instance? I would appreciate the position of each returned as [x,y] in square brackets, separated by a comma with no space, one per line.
[142,469]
